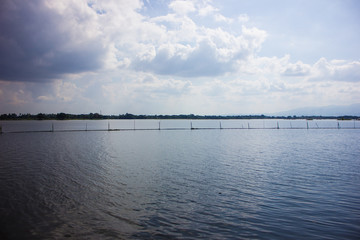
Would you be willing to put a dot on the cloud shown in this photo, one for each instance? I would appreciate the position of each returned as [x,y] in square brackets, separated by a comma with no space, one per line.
[181,47]
[206,10]
[182,7]
[243,18]
[71,36]
[45,98]
[211,52]
[297,69]
[13,95]
[66,91]
[282,68]
[336,70]
[41,40]
[147,87]
[184,61]
[155,56]
[221,18]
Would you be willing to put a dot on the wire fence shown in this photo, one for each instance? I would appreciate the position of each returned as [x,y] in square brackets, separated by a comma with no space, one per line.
[143,125]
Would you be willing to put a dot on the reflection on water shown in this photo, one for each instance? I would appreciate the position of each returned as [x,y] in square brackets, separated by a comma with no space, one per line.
[180,184]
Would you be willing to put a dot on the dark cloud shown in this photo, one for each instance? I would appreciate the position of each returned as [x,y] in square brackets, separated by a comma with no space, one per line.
[38,43]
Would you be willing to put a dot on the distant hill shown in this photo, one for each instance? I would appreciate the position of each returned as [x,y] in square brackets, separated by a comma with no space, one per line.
[348,110]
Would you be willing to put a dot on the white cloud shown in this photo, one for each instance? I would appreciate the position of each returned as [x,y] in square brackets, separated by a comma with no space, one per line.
[243,18]
[344,71]
[254,36]
[221,18]
[207,10]
[297,69]
[66,91]
[204,52]
[182,7]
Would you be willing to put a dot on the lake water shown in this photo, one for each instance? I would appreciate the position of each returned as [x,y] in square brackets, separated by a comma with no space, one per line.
[180,184]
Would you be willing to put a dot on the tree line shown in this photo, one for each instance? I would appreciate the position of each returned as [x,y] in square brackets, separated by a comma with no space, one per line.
[97,116]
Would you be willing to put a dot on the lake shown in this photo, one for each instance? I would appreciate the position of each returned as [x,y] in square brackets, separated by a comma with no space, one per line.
[178,183]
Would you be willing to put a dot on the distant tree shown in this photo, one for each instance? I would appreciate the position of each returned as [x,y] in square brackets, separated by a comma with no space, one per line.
[129,116]
[94,116]
[61,116]
[13,116]
[97,116]
[40,116]
[9,116]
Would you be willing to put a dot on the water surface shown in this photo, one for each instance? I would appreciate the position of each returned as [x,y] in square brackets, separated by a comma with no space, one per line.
[188,184]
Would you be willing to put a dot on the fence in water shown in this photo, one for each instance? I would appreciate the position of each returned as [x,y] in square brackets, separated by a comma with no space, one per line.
[142,125]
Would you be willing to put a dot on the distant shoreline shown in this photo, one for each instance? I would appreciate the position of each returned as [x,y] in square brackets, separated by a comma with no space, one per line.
[97,116]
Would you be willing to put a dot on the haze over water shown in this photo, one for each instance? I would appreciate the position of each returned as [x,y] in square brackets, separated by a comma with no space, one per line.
[217,184]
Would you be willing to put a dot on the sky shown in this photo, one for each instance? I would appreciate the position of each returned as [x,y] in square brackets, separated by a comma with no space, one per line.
[178,57]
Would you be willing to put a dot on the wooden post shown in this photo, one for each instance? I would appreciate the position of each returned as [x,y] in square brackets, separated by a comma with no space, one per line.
[108,126]
[191,127]
[307,125]
[159,125]
[220,125]
[248,126]
[277,125]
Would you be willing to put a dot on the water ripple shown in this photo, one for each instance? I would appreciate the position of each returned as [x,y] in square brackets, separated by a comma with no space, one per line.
[180,185]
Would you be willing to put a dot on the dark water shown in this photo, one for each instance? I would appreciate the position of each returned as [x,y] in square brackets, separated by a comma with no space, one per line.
[210,184]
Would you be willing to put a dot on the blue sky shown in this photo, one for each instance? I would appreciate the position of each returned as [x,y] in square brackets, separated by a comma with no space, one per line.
[173,57]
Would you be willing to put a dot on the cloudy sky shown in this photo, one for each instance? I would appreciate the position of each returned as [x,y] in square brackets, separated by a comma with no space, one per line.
[182,56]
